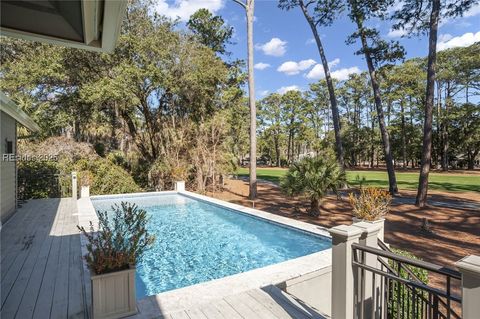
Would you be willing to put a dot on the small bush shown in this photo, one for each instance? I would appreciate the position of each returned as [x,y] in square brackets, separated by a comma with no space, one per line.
[119,242]
[405,293]
[371,203]
[313,178]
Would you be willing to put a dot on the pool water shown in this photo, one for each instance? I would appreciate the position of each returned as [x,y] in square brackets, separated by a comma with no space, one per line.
[198,241]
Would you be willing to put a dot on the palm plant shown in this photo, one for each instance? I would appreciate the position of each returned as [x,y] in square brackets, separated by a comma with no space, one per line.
[313,178]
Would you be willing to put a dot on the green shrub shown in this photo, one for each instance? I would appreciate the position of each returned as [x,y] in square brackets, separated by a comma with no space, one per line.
[119,241]
[312,178]
[40,179]
[405,293]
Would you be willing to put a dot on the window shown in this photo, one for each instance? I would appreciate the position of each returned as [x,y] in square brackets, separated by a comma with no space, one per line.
[8,147]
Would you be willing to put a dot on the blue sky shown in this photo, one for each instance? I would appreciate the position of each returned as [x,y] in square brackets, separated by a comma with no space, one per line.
[286,56]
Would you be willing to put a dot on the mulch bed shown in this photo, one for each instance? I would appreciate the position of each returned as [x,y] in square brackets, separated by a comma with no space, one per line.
[455,232]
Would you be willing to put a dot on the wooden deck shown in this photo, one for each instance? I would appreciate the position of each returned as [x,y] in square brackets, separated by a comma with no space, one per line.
[41,268]
[265,303]
[42,274]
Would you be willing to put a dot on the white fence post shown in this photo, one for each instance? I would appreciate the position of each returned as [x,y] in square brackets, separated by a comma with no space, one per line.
[180,186]
[343,272]
[470,268]
[74,185]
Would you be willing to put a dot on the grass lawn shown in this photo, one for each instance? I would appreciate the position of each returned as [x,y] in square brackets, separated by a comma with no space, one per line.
[437,181]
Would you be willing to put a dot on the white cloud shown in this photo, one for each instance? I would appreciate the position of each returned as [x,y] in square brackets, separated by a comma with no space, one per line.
[333,63]
[397,33]
[261,66]
[263,93]
[310,41]
[183,9]
[274,47]
[343,74]
[444,37]
[461,41]
[285,89]
[292,67]
[475,10]
[317,71]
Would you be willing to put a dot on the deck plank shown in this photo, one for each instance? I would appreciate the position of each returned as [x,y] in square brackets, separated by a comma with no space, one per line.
[19,274]
[75,282]
[268,302]
[27,305]
[226,310]
[45,296]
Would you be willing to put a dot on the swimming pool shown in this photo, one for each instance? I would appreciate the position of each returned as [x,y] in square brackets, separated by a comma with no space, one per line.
[199,241]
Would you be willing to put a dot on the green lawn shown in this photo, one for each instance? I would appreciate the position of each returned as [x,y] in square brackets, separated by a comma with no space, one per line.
[437,181]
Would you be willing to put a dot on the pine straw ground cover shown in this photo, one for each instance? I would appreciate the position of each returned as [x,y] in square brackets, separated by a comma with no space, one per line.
[456,231]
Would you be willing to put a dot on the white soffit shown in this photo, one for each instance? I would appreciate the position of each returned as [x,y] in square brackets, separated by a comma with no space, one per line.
[85,24]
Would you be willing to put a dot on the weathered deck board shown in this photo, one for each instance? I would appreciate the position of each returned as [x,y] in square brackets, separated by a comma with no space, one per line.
[41,253]
[266,303]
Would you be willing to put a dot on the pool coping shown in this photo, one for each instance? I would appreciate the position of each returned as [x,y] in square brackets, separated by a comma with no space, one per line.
[187,297]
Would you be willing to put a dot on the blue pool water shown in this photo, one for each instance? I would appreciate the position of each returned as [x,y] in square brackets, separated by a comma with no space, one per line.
[198,241]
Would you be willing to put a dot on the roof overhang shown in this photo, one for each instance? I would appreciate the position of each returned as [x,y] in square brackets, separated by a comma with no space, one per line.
[10,108]
[86,24]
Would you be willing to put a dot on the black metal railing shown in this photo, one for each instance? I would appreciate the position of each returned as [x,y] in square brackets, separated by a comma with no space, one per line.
[393,288]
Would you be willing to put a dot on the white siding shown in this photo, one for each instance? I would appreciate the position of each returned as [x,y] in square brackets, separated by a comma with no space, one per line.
[8,185]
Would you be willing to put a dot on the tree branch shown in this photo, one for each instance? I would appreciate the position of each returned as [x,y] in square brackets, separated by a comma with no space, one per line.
[241,3]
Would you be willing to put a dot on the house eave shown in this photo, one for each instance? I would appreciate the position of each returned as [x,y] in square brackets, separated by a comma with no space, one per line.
[9,107]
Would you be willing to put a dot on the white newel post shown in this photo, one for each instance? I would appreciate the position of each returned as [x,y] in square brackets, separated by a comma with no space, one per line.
[85,192]
[343,274]
[470,268]
[180,186]
[74,185]
[369,237]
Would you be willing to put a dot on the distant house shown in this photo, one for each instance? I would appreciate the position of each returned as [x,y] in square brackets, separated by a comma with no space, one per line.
[10,116]
[84,24]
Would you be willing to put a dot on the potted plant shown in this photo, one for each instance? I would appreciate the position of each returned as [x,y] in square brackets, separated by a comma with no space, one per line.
[86,179]
[371,204]
[113,251]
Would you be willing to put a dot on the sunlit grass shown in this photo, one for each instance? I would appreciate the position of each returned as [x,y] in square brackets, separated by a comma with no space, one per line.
[437,181]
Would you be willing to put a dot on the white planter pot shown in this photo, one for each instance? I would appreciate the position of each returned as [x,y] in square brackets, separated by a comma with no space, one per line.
[85,192]
[113,295]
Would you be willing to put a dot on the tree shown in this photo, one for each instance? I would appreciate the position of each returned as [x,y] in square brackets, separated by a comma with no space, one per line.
[421,17]
[249,5]
[376,51]
[210,30]
[323,14]
[313,178]
[271,117]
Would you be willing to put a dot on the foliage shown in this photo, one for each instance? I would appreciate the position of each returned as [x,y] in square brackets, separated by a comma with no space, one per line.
[405,293]
[40,179]
[121,239]
[371,203]
[312,178]
[211,30]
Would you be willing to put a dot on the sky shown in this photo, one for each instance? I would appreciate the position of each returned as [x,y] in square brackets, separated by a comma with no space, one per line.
[286,56]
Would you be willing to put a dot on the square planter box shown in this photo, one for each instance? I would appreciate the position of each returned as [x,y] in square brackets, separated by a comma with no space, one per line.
[113,294]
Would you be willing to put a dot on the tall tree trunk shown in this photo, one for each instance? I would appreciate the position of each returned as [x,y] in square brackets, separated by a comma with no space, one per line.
[445,130]
[392,181]
[372,142]
[277,150]
[404,135]
[331,89]
[421,199]
[251,99]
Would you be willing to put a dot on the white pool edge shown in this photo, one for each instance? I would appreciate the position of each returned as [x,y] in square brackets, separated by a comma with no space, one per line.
[281,274]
